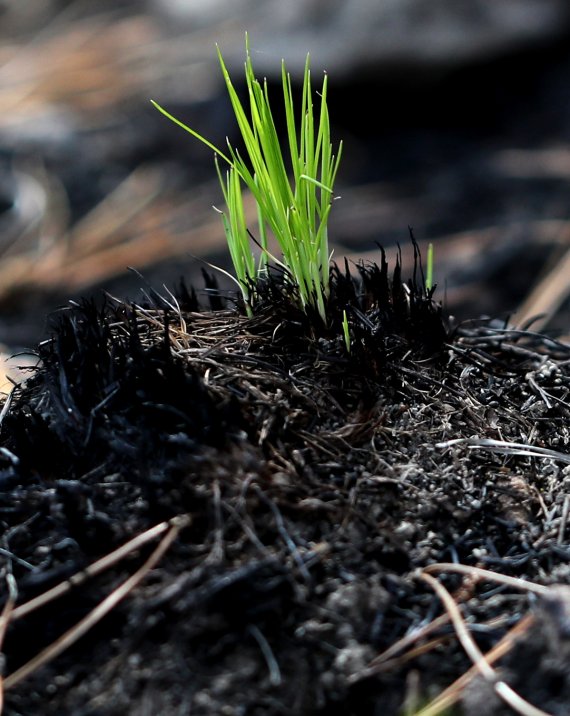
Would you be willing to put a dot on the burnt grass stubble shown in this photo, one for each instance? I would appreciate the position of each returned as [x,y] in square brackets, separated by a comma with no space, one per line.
[315,489]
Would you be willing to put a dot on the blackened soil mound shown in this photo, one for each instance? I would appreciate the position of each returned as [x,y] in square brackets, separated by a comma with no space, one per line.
[314,484]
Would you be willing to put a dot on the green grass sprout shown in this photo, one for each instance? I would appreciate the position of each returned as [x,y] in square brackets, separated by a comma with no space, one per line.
[429,268]
[346,331]
[292,185]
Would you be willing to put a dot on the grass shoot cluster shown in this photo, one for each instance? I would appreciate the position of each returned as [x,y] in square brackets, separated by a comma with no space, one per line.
[291,181]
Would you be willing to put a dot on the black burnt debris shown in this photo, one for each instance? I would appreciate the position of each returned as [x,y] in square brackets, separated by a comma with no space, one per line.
[316,482]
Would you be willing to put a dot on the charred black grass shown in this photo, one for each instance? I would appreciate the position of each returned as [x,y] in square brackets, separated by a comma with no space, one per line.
[388,317]
[317,481]
[138,412]
[107,392]
[115,384]
[143,389]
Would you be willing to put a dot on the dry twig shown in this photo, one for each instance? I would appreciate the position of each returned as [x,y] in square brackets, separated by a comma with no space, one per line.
[172,528]
[481,663]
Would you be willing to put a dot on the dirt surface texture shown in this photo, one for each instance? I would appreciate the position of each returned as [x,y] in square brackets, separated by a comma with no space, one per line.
[208,513]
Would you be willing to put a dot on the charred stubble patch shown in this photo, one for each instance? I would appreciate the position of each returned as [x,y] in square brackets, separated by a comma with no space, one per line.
[314,485]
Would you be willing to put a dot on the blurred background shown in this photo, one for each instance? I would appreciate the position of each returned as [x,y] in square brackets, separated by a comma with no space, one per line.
[455,118]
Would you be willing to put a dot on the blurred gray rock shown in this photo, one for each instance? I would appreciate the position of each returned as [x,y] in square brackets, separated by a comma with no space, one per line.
[345,36]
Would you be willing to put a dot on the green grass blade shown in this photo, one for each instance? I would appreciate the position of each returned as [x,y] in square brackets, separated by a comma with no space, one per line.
[292,185]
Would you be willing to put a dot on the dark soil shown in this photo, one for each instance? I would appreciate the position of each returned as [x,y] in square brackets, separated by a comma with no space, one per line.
[314,484]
